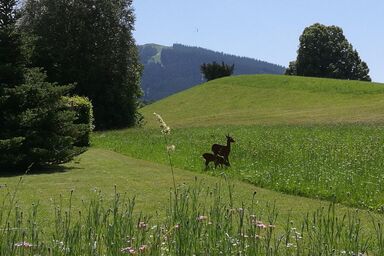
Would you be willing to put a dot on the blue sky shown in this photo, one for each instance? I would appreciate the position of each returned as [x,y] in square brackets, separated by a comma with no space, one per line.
[267,30]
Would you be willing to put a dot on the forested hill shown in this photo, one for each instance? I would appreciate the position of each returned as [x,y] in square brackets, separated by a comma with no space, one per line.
[168,70]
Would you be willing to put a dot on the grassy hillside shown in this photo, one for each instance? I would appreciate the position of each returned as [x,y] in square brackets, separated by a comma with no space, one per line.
[313,137]
[272,99]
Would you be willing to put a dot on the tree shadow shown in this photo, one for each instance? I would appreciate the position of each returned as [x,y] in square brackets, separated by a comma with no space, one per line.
[39,171]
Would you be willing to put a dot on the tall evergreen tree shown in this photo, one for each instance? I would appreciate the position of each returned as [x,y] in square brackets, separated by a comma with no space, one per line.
[38,129]
[89,43]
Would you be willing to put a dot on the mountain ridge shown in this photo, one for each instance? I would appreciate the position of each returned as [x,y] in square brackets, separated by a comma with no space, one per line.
[171,69]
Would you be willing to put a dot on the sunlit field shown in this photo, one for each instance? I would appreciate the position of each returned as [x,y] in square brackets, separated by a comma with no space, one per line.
[341,163]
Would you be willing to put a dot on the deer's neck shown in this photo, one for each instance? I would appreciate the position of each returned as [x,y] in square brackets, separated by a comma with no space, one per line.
[228,145]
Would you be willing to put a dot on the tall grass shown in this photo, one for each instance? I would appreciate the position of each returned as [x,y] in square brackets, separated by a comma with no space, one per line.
[334,162]
[199,221]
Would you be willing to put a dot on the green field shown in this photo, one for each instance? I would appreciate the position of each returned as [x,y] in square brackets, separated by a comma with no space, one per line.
[319,138]
[300,143]
[103,170]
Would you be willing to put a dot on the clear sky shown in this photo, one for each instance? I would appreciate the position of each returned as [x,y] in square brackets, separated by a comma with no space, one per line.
[268,30]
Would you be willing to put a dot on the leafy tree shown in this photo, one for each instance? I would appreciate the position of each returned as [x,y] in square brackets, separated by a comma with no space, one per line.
[325,52]
[214,70]
[89,43]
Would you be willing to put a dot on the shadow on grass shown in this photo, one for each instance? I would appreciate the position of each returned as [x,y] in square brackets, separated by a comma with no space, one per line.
[39,170]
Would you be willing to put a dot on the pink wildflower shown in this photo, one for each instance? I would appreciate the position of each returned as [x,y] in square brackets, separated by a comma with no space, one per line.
[142,225]
[143,248]
[128,250]
[23,244]
[259,224]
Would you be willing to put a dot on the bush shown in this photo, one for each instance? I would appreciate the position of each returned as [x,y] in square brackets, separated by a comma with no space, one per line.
[84,114]
[38,128]
[214,70]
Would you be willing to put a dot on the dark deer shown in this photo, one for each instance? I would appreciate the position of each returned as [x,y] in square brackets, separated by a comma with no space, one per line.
[222,150]
[218,160]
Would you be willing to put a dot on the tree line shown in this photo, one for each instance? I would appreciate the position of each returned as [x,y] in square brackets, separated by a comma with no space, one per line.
[51,51]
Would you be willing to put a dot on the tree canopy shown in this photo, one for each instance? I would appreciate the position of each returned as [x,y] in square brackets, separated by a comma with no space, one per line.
[214,70]
[325,52]
[89,43]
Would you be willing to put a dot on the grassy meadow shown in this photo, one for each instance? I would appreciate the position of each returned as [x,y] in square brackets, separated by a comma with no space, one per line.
[308,152]
[339,162]
[312,137]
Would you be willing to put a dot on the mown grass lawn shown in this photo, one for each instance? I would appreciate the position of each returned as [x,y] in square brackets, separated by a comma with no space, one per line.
[151,183]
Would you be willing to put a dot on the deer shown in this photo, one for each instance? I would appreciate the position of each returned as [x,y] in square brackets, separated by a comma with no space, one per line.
[218,160]
[222,150]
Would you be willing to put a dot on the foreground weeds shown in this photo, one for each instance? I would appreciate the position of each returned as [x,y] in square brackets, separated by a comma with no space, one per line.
[199,221]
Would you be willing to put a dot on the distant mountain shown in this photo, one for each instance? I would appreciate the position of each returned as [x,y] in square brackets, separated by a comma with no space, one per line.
[168,70]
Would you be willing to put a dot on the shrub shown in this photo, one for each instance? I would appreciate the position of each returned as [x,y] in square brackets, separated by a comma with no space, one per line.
[84,114]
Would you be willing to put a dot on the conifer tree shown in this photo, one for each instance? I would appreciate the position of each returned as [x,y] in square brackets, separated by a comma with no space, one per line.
[36,127]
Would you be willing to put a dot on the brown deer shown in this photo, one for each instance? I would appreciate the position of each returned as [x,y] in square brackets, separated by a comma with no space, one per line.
[222,150]
[218,160]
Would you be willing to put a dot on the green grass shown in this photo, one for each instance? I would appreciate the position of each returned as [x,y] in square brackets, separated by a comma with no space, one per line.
[333,162]
[271,99]
[314,137]
[199,221]
[318,138]
[150,183]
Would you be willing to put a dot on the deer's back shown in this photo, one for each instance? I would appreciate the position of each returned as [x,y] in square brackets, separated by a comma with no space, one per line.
[208,156]
[219,149]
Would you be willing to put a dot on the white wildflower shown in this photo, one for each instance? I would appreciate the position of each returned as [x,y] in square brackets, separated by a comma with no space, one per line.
[165,129]
[171,148]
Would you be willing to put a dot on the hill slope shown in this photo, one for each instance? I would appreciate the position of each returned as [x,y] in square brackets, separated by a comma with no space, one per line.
[168,70]
[272,99]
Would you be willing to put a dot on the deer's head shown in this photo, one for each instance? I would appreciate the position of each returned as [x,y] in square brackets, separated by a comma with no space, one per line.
[229,138]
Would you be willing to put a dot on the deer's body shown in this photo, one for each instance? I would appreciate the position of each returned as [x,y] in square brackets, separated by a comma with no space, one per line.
[218,160]
[222,150]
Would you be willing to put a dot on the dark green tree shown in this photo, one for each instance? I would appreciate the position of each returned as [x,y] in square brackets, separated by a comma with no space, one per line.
[36,126]
[89,43]
[11,58]
[325,52]
[214,70]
